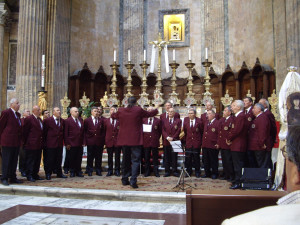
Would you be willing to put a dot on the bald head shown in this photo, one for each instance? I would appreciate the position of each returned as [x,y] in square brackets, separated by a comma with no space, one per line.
[208,106]
[74,112]
[36,110]
[56,112]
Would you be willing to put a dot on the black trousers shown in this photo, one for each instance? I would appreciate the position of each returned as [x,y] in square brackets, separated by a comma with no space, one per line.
[262,158]
[210,161]
[94,152]
[110,152]
[131,166]
[9,162]
[170,159]
[33,161]
[250,161]
[75,159]
[192,158]
[67,160]
[53,161]
[238,159]
[22,160]
[147,152]
[227,163]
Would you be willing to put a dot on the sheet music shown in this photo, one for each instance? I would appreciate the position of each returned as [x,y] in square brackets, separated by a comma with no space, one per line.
[147,128]
[176,145]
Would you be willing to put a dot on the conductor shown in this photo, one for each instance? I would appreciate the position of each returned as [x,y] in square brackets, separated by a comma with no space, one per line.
[131,138]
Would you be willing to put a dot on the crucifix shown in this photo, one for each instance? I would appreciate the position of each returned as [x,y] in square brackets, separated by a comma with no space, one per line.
[159,44]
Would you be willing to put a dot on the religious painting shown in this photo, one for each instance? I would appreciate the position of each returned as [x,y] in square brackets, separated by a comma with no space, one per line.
[175,31]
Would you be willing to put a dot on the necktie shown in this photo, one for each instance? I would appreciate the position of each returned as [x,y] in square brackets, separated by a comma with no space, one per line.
[113,122]
[170,121]
[192,124]
[18,119]
[150,121]
[76,120]
[40,122]
[57,122]
[96,121]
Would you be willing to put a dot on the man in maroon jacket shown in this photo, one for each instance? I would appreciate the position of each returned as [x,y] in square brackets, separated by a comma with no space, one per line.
[204,118]
[237,139]
[10,140]
[22,153]
[209,146]
[171,129]
[224,129]
[131,138]
[93,129]
[258,138]
[33,142]
[53,133]
[165,115]
[192,134]
[151,143]
[111,136]
[73,136]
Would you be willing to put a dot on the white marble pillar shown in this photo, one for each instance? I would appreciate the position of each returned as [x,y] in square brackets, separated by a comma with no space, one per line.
[31,47]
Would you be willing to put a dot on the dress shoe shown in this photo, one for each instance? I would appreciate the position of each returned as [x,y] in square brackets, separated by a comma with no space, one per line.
[61,176]
[147,175]
[48,177]
[134,185]
[235,186]
[90,174]
[197,174]
[16,181]
[214,176]
[5,182]
[157,175]
[66,171]
[125,182]
[117,173]
[72,174]
[176,174]
[222,178]
[167,175]
[109,173]
[37,178]
[23,174]
[99,173]
[231,179]
[79,174]
[30,179]
[205,176]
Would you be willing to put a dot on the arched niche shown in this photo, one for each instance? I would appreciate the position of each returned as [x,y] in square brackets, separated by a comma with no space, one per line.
[120,86]
[72,88]
[100,84]
[85,80]
[136,84]
[257,73]
[198,87]
[228,82]
[167,88]
[244,78]
[215,90]
[151,81]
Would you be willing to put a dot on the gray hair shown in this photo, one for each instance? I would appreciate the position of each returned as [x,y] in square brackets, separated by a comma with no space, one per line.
[265,102]
[262,108]
[169,102]
[94,107]
[240,104]
[13,100]
[293,145]
[228,107]
[194,110]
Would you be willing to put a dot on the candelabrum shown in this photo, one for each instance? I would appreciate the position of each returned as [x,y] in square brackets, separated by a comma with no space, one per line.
[190,96]
[250,96]
[274,104]
[84,102]
[113,97]
[143,100]
[174,96]
[226,100]
[129,67]
[42,102]
[207,95]
[65,102]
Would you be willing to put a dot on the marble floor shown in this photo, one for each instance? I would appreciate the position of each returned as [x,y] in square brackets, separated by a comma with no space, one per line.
[18,209]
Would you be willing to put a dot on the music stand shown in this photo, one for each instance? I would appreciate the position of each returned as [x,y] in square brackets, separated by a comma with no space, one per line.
[178,147]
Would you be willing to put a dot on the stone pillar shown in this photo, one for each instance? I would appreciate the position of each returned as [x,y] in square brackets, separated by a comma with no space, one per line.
[31,47]
[4,13]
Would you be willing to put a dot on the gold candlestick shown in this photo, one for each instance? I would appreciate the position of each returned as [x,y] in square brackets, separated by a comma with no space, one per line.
[113,97]
[226,100]
[207,95]
[174,96]
[129,67]
[84,102]
[42,102]
[144,96]
[190,99]
[65,102]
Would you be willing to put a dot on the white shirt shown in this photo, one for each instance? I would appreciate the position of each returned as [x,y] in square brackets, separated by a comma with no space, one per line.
[56,121]
[259,114]
[38,120]
[152,119]
[236,115]
[192,122]
[112,120]
[77,120]
[94,120]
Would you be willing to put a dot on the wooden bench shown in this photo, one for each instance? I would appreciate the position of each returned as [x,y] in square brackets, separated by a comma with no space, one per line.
[210,207]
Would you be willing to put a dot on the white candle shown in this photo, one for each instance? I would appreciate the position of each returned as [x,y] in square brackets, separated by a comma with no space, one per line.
[174,59]
[129,56]
[206,53]
[145,55]
[115,56]
[190,54]
[43,80]
[43,61]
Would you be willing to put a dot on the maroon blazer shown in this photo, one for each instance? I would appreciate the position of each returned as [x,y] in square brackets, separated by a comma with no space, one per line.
[32,133]
[112,131]
[10,129]
[131,125]
[192,136]
[163,117]
[151,139]
[102,134]
[93,133]
[238,133]
[53,134]
[259,133]
[204,119]
[73,133]
[224,129]
[210,135]
[273,129]
[171,130]
[249,117]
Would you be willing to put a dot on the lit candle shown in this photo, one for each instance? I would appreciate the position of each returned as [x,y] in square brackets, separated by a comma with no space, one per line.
[174,59]
[190,54]
[115,56]
[129,56]
[206,53]
[145,55]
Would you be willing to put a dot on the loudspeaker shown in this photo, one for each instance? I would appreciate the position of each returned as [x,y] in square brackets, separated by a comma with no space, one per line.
[256,178]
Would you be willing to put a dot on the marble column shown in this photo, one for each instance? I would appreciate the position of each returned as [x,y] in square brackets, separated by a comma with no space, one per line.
[4,13]
[31,47]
